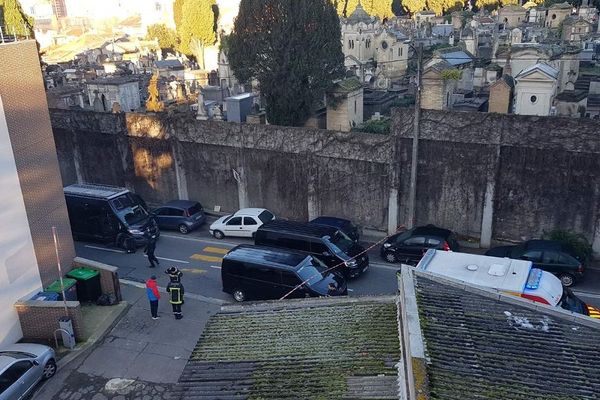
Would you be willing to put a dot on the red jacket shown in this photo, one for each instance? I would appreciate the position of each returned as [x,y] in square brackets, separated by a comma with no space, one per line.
[152,290]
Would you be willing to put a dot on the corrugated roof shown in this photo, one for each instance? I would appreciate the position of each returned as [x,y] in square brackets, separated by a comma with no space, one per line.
[299,349]
[349,84]
[479,347]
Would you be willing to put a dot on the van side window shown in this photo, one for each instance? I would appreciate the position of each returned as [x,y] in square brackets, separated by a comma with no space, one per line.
[249,221]
[317,247]
[295,243]
[290,279]
[235,267]
[261,273]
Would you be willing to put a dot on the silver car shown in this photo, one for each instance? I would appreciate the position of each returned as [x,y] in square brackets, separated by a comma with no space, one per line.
[22,366]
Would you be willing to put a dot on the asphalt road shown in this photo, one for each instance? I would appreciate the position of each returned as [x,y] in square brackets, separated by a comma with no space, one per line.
[199,256]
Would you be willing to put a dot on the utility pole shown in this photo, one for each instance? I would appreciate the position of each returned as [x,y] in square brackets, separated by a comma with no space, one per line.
[412,194]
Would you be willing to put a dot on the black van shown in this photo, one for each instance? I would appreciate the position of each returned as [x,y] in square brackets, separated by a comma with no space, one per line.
[328,244]
[106,213]
[256,272]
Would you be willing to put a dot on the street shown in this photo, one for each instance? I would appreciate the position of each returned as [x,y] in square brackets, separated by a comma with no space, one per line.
[199,256]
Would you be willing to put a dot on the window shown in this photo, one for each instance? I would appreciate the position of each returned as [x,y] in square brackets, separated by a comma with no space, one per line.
[354,106]
[249,221]
[415,241]
[14,373]
[261,273]
[235,221]
[433,242]
[289,279]
[295,243]
[171,212]
[550,257]
[400,52]
[163,212]
[553,16]
[533,99]
[567,259]
[532,255]
[318,248]
[266,216]
[195,209]
[402,237]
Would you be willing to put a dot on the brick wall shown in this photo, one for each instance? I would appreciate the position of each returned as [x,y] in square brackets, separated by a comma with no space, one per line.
[39,319]
[26,109]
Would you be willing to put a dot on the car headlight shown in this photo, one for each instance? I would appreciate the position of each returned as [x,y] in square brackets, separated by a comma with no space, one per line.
[350,263]
[135,232]
[387,245]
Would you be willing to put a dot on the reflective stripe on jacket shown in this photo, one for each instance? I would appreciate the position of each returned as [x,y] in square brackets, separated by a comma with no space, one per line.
[175,289]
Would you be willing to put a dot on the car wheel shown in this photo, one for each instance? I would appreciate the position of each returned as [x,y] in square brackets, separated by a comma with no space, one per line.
[390,257]
[566,279]
[218,234]
[239,295]
[184,229]
[49,369]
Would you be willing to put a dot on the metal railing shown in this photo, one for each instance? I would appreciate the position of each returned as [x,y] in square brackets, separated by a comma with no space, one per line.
[9,34]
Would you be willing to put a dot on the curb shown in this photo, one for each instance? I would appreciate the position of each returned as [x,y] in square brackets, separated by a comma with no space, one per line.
[198,297]
[93,341]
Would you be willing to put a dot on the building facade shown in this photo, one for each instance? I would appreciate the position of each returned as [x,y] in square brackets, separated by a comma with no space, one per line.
[33,200]
[535,90]
[121,90]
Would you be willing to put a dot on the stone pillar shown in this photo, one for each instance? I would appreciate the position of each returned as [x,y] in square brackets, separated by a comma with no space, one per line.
[314,206]
[240,178]
[180,175]
[487,218]
[596,239]
[393,211]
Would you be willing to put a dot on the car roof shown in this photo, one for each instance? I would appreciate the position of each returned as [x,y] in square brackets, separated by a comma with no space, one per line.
[95,191]
[298,228]
[253,212]
[547,245]
[431,230]
[271,256]
[333,221]
[181,203]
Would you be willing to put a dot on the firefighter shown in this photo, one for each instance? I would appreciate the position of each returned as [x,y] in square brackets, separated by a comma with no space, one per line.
[175,290]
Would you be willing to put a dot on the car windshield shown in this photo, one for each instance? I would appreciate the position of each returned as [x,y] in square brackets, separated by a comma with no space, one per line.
[341,241]
[195,209]
[129,209]
[312,273]
[572,303]
[227,218]
[266,216]
[16,354]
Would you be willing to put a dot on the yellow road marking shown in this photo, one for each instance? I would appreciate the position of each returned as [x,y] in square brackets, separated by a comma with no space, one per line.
[202,257]
[217,250]
[194,270]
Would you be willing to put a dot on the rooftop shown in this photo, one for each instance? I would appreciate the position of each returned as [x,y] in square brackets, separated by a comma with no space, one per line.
[503,347]
[544,68]
[307,349]
[114,80]
[572,96]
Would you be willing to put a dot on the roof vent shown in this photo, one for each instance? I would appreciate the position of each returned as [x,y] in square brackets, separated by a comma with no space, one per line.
[472,267]
[498,270]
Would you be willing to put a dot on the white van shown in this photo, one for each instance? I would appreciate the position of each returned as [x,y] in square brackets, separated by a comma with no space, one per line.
[516,277]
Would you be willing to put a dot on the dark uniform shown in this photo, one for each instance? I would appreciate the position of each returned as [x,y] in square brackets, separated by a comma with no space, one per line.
[149,250]
[175,290]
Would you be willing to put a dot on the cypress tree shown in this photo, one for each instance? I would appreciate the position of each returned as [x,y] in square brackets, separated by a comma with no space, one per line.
[293,48]
[15,19]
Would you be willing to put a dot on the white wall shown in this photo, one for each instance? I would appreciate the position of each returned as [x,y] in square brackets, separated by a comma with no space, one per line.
[19,274]
[544,94]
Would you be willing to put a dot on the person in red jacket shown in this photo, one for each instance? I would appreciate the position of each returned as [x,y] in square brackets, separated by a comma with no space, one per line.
[153,296]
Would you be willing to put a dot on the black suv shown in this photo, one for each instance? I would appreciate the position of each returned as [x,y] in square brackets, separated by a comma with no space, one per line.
[409,246]
[342,224]
[549,255]
[328,244]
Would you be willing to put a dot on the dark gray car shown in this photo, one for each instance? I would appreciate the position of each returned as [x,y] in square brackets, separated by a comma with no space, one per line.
[181,215]
[22,366]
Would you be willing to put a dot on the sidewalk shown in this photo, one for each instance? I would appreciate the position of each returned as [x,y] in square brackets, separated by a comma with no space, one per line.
[140,358]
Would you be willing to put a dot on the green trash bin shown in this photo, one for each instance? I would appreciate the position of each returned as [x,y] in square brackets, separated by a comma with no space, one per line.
[70,289]
[88,283]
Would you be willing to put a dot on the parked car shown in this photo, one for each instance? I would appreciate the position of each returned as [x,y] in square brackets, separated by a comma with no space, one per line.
[22,366]
[342,224]
[328,244]
[243,223]
[549,255]
[182,215]
[105,213]
[257,272]
[410,245]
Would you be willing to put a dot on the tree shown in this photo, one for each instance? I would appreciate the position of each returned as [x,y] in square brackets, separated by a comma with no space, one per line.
[441,6]
[167,38]
[178,13]
[197,27]
[397,8]
[293,48]
[412,6]
[14,19]
[377,8]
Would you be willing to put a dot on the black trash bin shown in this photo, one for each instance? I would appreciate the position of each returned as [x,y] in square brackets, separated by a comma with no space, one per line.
[69,287]
[88,283]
